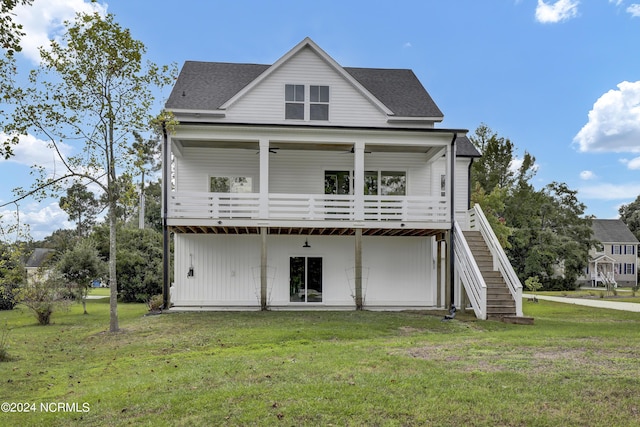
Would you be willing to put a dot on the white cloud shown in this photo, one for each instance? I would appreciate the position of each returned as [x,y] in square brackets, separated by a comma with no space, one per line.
[559,11]
[614,122]
[587,175]
[616,2]
[33,151]
[633,164]
[41,218]
[610,191]
[634,10]
[407,45]
[44,20]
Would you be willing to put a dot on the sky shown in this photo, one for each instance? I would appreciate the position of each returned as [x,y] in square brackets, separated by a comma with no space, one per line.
[560,79]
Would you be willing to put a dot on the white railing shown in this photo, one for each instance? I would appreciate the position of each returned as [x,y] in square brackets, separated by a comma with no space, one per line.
[478,221]
[406,208]
[213,205]
[469,273]
[308,207]
[604,277]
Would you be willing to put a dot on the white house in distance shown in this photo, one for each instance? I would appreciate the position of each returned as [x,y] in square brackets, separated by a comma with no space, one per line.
[615,259]
[307,185]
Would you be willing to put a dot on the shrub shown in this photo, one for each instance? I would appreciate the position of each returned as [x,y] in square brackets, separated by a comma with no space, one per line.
[155,303]
[7,296]
[43,294]
[4,344]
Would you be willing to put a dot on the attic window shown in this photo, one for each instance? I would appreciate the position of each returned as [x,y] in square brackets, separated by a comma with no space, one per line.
[294,102]
[319,107]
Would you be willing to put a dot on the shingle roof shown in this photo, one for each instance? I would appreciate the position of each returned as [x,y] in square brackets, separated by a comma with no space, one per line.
[400,90]
[39,257]
[208,85]
[612,231]
[465,148]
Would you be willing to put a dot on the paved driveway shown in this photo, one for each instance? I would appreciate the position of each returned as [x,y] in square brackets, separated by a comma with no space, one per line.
[599,303]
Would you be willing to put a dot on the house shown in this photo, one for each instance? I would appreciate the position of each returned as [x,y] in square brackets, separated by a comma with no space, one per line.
[304,184]
[36,265]
[614,260]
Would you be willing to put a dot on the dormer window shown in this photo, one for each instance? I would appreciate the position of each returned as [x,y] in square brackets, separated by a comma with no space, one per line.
[298,108]
[319,107]
[294,102]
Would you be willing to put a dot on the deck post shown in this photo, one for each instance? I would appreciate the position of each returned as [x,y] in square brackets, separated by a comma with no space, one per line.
[263,269]
[358,269]
[439,282]
[264,179]
[448,275]
[358,181]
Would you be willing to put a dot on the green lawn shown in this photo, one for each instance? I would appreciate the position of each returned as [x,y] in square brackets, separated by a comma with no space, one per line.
[576,366]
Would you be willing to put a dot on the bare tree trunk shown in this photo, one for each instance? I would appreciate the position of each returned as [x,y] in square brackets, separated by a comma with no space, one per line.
[113,284]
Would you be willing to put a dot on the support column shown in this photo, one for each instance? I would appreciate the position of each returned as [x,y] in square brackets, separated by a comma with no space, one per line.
[263,269]
[439,282]
[358,269]
[448,276]
[358,180]
[264,178]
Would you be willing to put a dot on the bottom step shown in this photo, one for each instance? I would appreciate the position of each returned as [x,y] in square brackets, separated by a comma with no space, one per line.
[516,320]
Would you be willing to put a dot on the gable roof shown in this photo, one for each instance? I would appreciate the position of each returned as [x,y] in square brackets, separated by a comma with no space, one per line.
[39,257]
[211,86]
[612,231]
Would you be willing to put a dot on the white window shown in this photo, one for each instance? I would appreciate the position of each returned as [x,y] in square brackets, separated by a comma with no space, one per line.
[615,249]
[306,102]
[629,269]
[294,102]
[230,184]
[319,106]
[630,249]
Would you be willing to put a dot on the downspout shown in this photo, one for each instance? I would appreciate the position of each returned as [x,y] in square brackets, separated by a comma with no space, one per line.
[165,232]
[453,219]
[469,185]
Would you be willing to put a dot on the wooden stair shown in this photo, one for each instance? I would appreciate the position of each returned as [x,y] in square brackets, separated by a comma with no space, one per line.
[500,303]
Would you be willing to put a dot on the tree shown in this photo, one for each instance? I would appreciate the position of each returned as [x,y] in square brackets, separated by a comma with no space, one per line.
[146,160]
[630,215]
[10,32]
[79,267]
[43,294]
[92,87]
[496,167]
[81,206]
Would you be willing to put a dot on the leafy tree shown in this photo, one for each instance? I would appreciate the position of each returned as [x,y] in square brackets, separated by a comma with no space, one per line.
[10,32]
[630,215]
[81,206]
[493,205]
[139,261]
[496,166]
[78,267]
[146,153]
[92,86]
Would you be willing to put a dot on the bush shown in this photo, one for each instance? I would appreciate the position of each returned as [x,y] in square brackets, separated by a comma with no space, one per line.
[43,294]
[7,296]
[155,303]
[139,265]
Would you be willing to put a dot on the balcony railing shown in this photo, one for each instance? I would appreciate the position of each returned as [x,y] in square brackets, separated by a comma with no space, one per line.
[323,207]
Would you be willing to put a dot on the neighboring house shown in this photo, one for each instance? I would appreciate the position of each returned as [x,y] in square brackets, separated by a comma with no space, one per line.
[36,265]
[307,185]
[615,260]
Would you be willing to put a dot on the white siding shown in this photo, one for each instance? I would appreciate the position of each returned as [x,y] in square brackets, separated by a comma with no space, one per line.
[397,271]
[224,269]
[300,172]
[265,103]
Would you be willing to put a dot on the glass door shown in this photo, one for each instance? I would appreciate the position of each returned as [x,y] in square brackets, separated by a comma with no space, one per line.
[305,279]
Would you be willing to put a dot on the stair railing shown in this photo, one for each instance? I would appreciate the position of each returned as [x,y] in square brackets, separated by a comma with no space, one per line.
[478,221]
[469,273]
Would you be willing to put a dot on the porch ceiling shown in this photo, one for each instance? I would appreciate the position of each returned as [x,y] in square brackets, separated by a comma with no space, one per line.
[304,231]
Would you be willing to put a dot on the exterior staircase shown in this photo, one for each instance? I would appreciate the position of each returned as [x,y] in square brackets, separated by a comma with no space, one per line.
[500,303]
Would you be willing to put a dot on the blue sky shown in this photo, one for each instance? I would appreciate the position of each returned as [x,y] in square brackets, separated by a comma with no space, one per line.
[561,79]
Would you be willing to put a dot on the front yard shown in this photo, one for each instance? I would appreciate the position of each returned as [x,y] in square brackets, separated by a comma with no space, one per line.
[576,366]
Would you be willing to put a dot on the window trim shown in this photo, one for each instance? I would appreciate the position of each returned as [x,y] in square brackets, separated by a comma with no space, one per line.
[307,103]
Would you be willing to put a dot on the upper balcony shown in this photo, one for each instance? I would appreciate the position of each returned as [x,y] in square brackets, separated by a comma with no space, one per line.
[308,211]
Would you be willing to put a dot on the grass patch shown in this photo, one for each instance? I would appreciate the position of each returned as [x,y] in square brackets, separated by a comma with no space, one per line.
[576,366]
